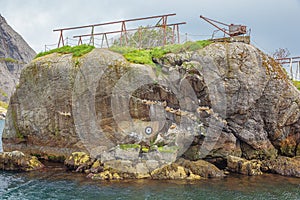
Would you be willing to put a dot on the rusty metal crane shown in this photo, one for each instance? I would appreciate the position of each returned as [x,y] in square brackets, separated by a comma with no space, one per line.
[233,30]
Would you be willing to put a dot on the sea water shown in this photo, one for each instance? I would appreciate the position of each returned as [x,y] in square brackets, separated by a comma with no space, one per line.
[55,183]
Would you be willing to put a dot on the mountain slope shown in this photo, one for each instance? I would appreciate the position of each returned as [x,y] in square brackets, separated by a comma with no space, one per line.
[14,54]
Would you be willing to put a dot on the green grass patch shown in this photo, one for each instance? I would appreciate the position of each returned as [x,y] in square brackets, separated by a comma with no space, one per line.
[10,60]
[122,50]
[77,51]
[130,146]
[145,56]
[297,84]
[145,149]
[3,105]
[166,149]
[3,93]
[178,48]
[139,57]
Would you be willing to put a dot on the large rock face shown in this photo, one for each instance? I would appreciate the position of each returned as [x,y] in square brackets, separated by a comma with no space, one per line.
[14,54]
[225,99]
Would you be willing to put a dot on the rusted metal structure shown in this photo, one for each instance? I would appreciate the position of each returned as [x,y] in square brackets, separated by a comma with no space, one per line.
[232,30]
[162,22]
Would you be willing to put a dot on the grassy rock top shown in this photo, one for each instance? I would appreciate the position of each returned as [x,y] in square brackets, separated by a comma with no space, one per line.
[77,51]
[133,55]
[146,56]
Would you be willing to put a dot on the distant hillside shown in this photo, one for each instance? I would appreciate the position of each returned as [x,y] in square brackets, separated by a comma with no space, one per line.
[14,54]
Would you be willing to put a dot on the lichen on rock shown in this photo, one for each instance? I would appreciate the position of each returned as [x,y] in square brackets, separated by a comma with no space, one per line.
[170,172]
[79,161]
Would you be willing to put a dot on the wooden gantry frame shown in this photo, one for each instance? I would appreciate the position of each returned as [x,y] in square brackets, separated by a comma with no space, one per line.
[162,23]
[291,61]
[175,32]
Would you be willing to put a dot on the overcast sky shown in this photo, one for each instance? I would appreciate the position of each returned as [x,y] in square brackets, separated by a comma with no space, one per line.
[274,23]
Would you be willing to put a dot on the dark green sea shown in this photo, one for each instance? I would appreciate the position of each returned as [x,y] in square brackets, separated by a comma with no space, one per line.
[55,183]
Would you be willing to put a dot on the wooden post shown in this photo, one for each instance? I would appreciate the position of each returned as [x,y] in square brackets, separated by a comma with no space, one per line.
[140,37]
[178,36]
[92,41]
[164,22]
[173,34]
[123,32]
[291,68]
[61,39]
[80,40]
[106,40]
[298,68]
[104,37]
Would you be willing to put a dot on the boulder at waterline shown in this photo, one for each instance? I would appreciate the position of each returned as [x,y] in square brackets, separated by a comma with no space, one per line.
[243,166]
[283,165]
[79,161]
[18,161]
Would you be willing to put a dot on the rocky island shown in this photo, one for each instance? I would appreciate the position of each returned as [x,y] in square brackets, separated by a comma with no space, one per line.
[201,110]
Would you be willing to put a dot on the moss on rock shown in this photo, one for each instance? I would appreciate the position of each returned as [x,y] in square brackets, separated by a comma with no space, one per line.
[129,146]
[147,56]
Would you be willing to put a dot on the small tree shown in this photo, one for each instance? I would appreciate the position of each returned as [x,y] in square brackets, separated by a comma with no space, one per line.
[146,37]
[281,53]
